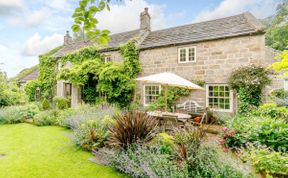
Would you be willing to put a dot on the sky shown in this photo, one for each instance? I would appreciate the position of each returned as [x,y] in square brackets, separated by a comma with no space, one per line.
[29,28]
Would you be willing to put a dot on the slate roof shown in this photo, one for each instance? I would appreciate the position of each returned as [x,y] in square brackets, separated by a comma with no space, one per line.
[238,25]
[115,41]
[31,76]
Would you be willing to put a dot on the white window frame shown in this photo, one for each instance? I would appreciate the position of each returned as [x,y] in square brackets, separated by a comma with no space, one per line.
[59,66]
[144,93]
[106,58]
[230,98]
[187,55]
[286,84]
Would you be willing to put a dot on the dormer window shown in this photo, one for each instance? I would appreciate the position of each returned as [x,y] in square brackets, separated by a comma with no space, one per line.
[187,54]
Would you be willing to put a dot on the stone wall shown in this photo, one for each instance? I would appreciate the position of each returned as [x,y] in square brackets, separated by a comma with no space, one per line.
[115,56]
[215,60]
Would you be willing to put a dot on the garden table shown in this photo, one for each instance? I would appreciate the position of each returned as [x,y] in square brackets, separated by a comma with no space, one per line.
[180,116]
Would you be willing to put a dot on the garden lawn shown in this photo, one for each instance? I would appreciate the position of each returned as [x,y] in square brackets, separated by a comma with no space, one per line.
[45,152]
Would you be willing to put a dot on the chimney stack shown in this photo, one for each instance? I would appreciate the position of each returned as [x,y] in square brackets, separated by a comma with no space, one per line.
[145,21]
[67,39]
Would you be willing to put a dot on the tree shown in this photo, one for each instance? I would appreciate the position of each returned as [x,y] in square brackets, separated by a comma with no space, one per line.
[84,19]
[283,64]
[9,92]
[277,33]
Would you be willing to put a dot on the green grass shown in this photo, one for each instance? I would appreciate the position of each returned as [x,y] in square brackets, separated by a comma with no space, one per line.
[45,152]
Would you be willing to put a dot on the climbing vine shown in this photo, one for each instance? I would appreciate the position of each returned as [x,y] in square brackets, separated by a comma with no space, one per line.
[249,82]
[114,80]
[47,77]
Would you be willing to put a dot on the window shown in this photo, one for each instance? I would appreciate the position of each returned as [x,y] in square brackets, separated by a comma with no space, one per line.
[107,59]
[187,55]
[59,66]
[219,97]
[67,89]
[286,84]
[151,93]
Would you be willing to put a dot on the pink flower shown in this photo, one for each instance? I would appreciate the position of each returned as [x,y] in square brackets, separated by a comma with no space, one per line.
[221,141]
[224,129]
[232,132]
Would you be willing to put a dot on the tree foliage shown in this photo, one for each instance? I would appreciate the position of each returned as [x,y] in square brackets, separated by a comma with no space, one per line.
[84,20]
[9,92]
[277,33]
[283,64]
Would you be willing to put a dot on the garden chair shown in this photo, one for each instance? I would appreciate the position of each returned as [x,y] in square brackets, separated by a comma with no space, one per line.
[190,107]
[169,122]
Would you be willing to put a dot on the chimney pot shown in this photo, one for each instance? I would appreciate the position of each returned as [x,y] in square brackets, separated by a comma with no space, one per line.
[145,21]
[67,39]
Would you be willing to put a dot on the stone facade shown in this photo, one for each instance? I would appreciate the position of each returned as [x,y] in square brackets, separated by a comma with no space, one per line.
[221,46]
[215,61]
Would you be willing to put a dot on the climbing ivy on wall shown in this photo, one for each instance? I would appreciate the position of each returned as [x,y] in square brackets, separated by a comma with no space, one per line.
[47,77]
[249,82]
[114,80]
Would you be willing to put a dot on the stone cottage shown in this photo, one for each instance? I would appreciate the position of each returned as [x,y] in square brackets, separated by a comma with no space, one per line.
[33,75]
[207,51]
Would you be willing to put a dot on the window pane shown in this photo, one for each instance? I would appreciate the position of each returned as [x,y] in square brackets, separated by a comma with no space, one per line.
[151,93]
[191,54]
[182,55]
[219,97]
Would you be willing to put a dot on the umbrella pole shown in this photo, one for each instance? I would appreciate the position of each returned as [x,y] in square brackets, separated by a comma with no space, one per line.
[166,93]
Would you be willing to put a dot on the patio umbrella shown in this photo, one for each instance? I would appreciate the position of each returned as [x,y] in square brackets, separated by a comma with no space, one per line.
[169,79]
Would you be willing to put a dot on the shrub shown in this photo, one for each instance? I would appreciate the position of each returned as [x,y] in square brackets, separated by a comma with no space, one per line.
[273,111]
[279,93]
[274,134]
[45,118]
[189,141]
[45,105]
[249,82]
[143,161]
[9,92]
[132,127]
[93,133]
[61,103]
[258,130]
[209,163]
[165,143]
[268,161]
[74,118]
[17,114]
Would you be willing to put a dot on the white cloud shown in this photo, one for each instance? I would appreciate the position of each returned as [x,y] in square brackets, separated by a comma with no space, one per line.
[260,8]
[30,19]
[37,44]
[9,6]
[58,4]
[12,62]
[126,16]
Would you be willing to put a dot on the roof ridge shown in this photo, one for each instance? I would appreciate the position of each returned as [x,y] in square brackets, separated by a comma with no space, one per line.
[242,14]
[88,41]
[125,32]
[252,21]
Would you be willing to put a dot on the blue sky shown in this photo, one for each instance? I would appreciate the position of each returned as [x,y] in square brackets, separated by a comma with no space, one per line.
[31,27]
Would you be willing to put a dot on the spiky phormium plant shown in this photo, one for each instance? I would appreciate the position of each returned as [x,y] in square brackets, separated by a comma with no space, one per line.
[132,127]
